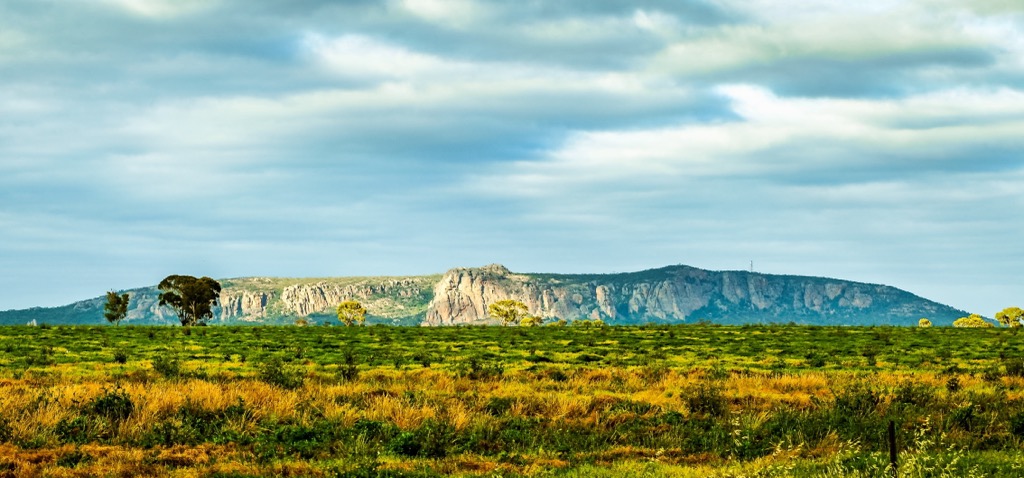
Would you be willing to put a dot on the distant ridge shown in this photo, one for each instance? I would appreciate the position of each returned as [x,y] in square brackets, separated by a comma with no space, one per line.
[672,294]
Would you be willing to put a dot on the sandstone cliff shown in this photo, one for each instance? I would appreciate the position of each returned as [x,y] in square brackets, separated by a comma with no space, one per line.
[675,294]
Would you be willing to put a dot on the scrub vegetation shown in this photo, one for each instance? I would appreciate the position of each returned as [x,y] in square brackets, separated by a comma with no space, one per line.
[689,400]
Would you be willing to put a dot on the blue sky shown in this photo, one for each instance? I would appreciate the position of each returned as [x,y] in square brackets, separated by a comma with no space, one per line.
[878,141]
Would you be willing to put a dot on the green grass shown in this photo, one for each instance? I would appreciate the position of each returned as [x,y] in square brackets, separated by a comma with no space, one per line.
[693,400]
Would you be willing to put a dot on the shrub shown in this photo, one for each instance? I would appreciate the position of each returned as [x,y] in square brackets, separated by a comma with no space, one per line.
[73,459]
[498,406]
[274,372]
[167,366]
[6,432]
[114,405]
[1017,425]
[477,369]
[80,429]
[1015,367]
[120,356]
[706,399]
[349,370]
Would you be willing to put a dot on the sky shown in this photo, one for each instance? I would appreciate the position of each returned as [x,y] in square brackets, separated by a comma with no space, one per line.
[878,141]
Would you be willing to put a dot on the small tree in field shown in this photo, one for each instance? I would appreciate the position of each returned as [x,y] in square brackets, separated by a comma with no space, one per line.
[193,299]
[351,312]
[508,311]
[924,323]
[974,321]
[116,307]
[1010,316]
[531,321]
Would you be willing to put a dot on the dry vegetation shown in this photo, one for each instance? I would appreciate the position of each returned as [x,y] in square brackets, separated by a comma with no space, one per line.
[632,401]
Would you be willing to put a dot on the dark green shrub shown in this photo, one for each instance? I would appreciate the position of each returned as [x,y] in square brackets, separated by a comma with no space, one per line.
[349,369]
[914,393]
[120,356]
[477,369]
[274,372]
[1015,367]
[43,357]
[6,432]
[114,405]
[707,400]
[857,401]
[432,439]
[169,367]
[498,406]
[963,417]
[306,442]
[1017,425]
[953,385]
[73,459]
[816,361]
[80,429]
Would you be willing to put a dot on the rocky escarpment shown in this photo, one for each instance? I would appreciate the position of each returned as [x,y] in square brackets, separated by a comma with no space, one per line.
[677,294]
[387,298]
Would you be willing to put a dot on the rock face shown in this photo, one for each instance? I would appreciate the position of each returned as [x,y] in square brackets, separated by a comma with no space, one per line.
[306,299]
[244,305]
[675,294]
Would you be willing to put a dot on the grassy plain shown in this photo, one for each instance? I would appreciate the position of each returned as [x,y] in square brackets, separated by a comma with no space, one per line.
[693,400]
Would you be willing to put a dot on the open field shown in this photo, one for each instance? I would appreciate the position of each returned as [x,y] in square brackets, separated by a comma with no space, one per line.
[692,400]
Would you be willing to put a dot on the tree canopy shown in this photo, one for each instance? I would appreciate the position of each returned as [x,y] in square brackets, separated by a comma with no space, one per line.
[191,298]
[116,307]
[508,311]
[351,312]
[924,322]
[974,320]
[531,321]
[1010,316]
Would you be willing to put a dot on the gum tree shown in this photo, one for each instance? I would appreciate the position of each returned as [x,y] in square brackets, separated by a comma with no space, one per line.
[191,298]
[351,312]
[1010,316]
[116,307]
[508,311]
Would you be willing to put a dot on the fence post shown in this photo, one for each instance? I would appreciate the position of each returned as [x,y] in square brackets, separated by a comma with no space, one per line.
[892,448]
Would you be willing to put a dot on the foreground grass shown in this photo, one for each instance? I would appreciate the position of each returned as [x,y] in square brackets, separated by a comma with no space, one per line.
[623,401]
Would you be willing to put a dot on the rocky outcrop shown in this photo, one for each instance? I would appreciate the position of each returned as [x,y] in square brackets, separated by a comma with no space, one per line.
[676,294]
[383,298]
[244,305]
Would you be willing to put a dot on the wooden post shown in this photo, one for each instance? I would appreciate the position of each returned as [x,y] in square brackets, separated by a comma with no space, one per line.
[892,448]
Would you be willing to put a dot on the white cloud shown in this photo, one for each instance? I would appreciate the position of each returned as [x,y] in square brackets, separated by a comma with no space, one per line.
[832,31]
[158,9]
[772,138]
[451,13]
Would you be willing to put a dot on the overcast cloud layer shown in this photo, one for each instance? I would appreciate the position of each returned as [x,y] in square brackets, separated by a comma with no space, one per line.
[880,141]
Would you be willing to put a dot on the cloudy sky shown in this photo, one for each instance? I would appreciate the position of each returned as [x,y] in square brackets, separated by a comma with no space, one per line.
[879,141]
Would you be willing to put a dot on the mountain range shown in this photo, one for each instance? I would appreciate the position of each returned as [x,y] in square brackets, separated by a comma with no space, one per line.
[667,295]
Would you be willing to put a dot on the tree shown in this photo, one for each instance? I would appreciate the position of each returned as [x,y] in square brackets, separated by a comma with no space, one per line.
[1010,316]
[508,311]
[193,299]
[116,307]
[924,323]
[531,321]
[351,312]
[974,320]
